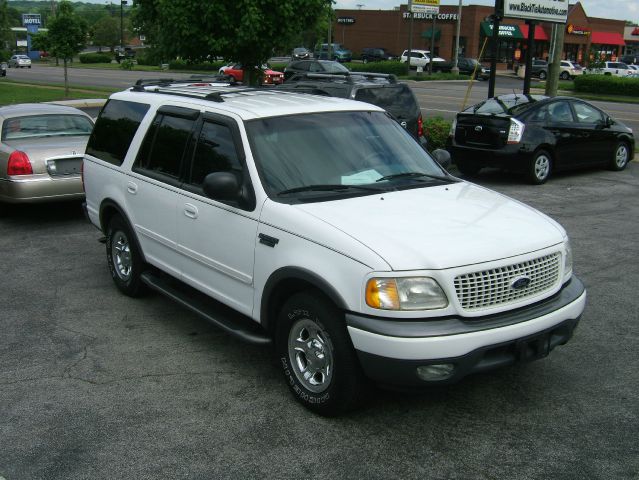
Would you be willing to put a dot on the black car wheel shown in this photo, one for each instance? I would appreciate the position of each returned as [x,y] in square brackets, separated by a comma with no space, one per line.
[540,167]
[365,60]
[542,75]
[316,355]
[564,76]
[468,167]
[123,257]
[621,156]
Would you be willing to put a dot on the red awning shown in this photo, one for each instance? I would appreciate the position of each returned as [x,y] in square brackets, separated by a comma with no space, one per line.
[540,33]
[607,38]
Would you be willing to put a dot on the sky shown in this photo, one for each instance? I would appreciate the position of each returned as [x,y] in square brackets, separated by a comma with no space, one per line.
[616,9]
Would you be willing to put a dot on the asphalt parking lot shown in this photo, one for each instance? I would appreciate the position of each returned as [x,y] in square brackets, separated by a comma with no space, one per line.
[95,385]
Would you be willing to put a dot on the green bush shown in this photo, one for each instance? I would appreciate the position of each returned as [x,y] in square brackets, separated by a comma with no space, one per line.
[148,56]
[95,58]
[607,84]
[5,55]
[396,68]
[126,64]
[436,131]
[181,64]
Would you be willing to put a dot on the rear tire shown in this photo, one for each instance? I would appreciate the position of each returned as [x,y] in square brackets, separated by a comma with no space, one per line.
[365,60]
[621,157]
[124,258]
[564,76]
[316,355]
[540,167]
[542,75]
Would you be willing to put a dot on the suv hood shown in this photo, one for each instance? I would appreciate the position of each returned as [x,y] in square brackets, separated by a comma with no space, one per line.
[440,227]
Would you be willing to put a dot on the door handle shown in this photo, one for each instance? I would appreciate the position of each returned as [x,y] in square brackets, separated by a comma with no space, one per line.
[132,188]
[190,210]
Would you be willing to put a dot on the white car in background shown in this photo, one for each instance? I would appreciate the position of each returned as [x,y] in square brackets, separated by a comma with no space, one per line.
[19,61]
[419,58]
[617,69]
[568,70]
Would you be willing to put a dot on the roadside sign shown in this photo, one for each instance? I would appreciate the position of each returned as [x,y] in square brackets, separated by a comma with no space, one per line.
[555,11]
[425,6]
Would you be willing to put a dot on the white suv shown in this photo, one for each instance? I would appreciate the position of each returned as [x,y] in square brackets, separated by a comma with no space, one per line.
[617,69]
[319,225]
[419,58]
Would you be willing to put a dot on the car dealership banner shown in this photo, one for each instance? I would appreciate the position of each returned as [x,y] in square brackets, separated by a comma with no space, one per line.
[555,11]
[424,6]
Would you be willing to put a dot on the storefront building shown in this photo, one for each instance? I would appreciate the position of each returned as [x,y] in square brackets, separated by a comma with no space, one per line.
[585,37]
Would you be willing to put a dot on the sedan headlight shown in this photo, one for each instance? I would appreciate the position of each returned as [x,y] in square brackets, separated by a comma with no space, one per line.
[567,261]
[407,293]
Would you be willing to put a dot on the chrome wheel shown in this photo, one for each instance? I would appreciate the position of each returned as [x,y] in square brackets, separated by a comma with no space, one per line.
[121,252]
[311,355]
[621,156]
[542,167]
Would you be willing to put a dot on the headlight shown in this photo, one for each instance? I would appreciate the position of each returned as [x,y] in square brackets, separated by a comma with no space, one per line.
[567,261]
[409,293]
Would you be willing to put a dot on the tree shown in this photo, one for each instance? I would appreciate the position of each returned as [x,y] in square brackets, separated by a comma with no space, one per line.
[67,35]
[247,31]
[5,33]
[106,32]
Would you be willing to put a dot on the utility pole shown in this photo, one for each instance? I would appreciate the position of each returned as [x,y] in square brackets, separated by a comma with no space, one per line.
[455,69]
[554,60]
[529,54]
[122,4]
[432,46]
[496,17]
[330,26]
[410,34]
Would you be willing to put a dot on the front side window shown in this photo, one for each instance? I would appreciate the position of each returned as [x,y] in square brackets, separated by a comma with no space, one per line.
[338,153]
[587,114]
[215,152]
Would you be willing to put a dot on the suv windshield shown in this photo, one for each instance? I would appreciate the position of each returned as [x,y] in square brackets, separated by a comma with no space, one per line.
[338,153]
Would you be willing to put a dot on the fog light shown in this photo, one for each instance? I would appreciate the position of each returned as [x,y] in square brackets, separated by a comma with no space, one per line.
[439,371]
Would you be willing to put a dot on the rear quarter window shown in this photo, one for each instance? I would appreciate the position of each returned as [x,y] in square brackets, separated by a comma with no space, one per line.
[115,128]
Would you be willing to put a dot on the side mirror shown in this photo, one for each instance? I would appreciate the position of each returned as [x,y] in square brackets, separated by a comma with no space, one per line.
[442,157]
[221,186]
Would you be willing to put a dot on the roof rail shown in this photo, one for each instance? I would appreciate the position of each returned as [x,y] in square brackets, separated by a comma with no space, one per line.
[165,82]
[345,77]
[206,92]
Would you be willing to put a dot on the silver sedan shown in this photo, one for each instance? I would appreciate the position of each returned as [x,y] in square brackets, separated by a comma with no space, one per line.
[41,149]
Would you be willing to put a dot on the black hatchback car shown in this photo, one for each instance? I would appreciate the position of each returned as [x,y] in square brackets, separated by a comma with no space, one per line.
[537,135]
[379,89]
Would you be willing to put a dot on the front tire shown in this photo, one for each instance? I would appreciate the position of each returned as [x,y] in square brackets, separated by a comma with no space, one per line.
[124,258]
[316,355]
[621,157]
[539,167]
[542,75]
[564,76]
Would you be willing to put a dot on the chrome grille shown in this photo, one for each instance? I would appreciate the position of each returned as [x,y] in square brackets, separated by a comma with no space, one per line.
[489,288]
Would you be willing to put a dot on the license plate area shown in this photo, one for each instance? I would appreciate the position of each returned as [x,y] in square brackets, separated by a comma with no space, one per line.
[64,167]
[533,348]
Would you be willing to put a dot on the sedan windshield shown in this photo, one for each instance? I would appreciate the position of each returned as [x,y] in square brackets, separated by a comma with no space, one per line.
[45,126]
[339,153]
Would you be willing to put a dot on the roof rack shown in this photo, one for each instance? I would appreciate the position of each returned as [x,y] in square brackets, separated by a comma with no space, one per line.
[345,77]
[209,92]
[142,83]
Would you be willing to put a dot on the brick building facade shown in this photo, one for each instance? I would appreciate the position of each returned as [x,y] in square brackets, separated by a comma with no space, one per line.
[585,36]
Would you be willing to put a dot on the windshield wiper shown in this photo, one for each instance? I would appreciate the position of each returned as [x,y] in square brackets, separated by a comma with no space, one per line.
[413,174]
[327,187]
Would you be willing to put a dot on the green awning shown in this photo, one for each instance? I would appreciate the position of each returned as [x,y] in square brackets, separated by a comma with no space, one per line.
[505,30]
[427,34]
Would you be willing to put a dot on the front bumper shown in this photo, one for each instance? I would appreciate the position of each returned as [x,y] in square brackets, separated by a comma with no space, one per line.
[391,351]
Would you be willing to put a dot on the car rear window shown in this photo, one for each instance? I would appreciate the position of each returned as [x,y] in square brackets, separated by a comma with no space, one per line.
[512,105]
[34,126]
[114,130]
[392,98]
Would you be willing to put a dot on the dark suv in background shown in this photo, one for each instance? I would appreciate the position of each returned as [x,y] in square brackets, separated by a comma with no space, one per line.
[376,55]
[379,89]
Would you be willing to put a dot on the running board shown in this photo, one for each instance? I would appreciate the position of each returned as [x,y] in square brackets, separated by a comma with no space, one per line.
[238,325]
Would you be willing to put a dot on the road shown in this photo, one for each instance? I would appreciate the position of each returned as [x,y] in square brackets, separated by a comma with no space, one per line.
[442,98]
[96,385]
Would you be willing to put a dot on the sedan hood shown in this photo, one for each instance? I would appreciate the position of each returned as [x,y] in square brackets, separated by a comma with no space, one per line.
[40,149]
[440,227]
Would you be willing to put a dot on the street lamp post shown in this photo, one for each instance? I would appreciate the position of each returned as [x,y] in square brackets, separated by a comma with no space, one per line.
[122,4]
[455,69]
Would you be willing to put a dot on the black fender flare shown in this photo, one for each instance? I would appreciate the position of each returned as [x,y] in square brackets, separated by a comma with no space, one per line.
[104,221]
[302,279]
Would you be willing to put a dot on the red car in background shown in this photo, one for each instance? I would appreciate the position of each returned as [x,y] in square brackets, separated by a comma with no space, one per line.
[236,71]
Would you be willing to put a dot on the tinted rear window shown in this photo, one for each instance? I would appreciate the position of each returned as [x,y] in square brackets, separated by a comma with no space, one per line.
[393,99]
[114,130]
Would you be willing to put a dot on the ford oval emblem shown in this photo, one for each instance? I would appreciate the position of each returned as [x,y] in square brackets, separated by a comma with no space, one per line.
[478,128]
[520,283]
